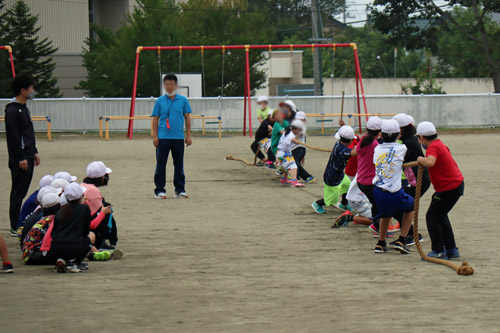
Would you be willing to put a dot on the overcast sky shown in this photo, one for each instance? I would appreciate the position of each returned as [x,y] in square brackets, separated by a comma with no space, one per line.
[356,11]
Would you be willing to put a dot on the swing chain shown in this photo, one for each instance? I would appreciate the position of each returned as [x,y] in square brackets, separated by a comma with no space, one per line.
[203,70]
[223,61]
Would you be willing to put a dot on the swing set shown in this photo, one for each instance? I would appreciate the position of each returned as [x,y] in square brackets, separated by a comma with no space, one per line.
[9,49]
[247,89]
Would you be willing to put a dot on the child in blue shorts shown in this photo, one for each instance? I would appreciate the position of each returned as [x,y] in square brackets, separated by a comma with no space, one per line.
[389,195]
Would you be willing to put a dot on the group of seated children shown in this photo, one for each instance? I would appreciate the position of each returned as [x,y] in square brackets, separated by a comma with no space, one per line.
[281,135]
[381,189]
[64,222]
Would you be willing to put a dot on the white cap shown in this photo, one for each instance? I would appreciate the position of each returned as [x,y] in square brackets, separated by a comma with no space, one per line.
[290,104]
[66,176]
[298,124]
[59,183]
[46,180]
[74,191]
[261,99]
[390,126]
[45,190]
[412,120]
[374,123]
[50,200]
[426,128]
[402,119]
[270,113]
[300,115]
[97,169]
[63,200]
[345,132]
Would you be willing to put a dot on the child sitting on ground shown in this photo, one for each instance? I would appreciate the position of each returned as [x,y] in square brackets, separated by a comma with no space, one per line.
[284,154]
[360,206]
[448,182]
[389,195]
[31,203]
[299,151]
[263,141]
[335,181]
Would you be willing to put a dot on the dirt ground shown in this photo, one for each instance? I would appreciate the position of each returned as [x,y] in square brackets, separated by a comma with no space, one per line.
[246,255]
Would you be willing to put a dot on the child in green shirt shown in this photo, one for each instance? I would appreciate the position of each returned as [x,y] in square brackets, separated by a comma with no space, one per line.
[263,111]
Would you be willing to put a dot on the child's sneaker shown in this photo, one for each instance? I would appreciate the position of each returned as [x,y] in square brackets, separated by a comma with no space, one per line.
[260,163]
[8,268]
[401,246]
[373,228]
[284,181]
[270,165]
[343,220]
[100,256]
[78,269]
[453,253]
[61,266]
[117,254]
[161,195]
[437,255]
[410,240]
[181,195]
[296,183]
[13,233]
[310,180]
[381,249]
[317,208]
[394,227]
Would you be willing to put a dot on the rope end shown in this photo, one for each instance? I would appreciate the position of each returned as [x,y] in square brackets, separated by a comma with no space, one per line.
[465,269]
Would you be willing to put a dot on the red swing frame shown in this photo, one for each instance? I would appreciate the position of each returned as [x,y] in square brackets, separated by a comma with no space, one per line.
[247,91]
[9,49]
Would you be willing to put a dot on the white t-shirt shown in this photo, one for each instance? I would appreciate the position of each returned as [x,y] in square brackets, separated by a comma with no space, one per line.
[285,144]
[354,193]
[301,138]
[388,159]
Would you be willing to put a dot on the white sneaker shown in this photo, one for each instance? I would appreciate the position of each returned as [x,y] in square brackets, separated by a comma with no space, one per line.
[161,195]
[181,195]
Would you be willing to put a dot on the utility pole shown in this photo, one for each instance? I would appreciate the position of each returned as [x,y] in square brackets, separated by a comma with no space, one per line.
[317,33]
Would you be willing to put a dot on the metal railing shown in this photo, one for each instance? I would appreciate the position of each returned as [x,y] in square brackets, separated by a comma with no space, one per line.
[82,114]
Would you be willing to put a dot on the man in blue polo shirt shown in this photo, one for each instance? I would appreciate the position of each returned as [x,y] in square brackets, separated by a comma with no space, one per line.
[169,113]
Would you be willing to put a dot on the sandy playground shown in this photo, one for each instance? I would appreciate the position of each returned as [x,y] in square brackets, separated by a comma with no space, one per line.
[246,255]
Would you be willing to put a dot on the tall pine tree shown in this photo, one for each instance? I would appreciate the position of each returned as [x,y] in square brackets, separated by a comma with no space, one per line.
[19,29]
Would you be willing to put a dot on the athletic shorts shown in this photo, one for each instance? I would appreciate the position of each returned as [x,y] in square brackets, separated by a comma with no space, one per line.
[389,204]
[286,160]
[265,144]
[331,194]
[362,208]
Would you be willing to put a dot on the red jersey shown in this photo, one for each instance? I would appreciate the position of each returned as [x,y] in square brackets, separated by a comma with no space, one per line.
[352,165]
[445,174]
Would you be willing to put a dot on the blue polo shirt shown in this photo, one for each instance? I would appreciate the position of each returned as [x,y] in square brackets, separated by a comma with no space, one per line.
[172,110]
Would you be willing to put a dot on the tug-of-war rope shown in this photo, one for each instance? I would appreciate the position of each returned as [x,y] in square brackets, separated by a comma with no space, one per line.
[463,269]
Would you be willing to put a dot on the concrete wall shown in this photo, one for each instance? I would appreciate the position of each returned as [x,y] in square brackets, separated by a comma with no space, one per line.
[393,86]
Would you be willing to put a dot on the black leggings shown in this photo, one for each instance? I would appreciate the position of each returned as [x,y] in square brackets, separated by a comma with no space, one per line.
[298,155]
[69,252]
[438,223]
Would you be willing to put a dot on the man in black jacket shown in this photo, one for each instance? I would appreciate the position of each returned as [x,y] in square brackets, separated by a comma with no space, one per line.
[21,145]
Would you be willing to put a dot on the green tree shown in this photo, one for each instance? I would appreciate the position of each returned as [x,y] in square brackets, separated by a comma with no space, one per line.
[375,52]
[31,55]
[110,58]
[460,57]
[417,23]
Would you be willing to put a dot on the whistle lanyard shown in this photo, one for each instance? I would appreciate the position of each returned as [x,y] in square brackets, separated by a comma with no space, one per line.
[168,112]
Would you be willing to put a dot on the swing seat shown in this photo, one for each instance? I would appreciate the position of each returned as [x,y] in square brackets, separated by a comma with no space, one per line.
[212,122]
[324,120]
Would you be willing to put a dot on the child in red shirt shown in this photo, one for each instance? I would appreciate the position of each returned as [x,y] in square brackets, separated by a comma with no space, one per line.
[448,182]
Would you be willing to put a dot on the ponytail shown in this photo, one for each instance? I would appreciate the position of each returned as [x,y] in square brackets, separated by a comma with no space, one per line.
[288,130]
[67,211]
[369,137]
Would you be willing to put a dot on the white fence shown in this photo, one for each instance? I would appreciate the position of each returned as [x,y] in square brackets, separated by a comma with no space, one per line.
[77,114]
